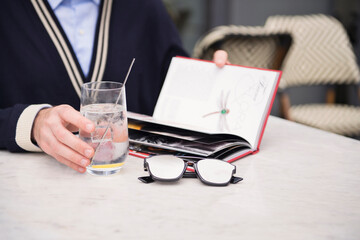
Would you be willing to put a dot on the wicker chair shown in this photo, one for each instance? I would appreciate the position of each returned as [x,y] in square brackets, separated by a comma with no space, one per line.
[320,54]
[247,46]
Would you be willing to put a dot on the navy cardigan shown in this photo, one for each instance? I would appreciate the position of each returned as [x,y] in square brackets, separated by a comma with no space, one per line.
[38,65]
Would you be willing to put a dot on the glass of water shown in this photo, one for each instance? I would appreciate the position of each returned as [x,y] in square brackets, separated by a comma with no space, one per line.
[104,103]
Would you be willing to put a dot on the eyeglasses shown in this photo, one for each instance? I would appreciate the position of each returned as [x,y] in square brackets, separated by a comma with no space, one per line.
[169,168]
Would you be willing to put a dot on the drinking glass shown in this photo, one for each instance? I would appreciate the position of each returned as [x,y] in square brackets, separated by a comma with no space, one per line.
[104,103]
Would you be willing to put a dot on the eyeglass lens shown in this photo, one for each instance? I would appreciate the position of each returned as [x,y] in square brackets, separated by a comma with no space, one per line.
[166,167]
[215,171]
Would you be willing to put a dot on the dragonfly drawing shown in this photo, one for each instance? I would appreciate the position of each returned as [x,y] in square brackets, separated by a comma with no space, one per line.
[222,111]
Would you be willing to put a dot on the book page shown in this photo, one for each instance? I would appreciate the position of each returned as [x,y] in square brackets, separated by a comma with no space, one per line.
[202,97]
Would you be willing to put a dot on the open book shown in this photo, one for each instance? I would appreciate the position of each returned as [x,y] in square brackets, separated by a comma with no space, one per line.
[206,111]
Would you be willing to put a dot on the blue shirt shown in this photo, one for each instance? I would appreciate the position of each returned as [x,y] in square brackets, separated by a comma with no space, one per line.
[78,19]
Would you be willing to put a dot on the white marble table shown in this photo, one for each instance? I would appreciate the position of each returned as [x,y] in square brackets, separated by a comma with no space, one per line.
[303,184]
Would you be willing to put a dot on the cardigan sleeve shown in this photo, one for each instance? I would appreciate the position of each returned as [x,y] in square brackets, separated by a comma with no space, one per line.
[16,124]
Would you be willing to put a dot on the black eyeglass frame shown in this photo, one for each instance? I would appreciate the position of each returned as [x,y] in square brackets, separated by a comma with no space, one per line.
[185,174]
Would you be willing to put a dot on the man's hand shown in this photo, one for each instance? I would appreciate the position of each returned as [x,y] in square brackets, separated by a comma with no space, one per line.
[52,131]
[221,58]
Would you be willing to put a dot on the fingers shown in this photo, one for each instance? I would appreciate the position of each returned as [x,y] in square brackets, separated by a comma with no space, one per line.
[62,153]
[220,58]
[51,132]
[73,117]
[67,156]
[67,138]
[70,164]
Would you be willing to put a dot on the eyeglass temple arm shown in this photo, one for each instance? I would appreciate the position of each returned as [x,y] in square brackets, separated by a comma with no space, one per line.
[235,180]
[146,179]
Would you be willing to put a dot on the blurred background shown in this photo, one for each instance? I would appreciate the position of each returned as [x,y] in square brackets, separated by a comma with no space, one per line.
[194,20]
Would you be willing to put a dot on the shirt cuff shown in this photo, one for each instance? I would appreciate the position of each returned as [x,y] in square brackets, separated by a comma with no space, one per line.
[24,126]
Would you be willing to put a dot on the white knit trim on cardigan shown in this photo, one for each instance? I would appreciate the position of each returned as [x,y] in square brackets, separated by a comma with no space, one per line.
[24,127]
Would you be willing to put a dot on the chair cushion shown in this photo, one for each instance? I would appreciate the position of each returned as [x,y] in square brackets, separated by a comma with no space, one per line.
[336,118]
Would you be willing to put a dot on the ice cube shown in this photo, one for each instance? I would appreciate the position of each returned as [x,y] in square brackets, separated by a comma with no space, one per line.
[97,135]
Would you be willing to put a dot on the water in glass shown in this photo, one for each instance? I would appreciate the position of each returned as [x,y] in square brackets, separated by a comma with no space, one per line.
[113,146]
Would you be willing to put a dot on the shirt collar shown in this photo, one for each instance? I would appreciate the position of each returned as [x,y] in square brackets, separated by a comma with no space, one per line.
[55,3]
